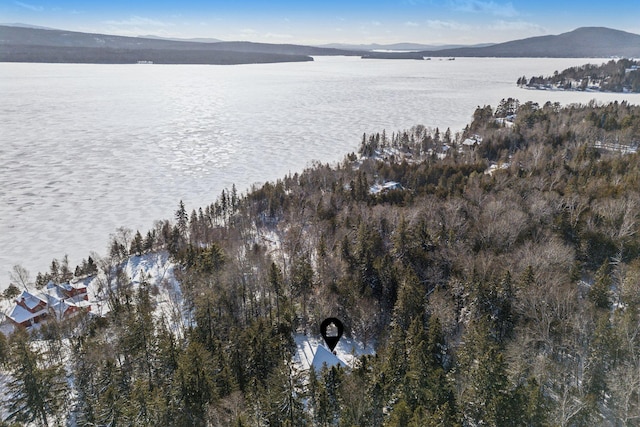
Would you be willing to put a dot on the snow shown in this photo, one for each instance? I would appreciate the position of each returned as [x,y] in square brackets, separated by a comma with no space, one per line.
[494,167]
[386,186]
[19,314]
[158,271]
[30,300]
[324,357]
[311,352]
[474,139]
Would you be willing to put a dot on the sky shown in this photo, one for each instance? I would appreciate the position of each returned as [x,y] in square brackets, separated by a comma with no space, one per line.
[328,21]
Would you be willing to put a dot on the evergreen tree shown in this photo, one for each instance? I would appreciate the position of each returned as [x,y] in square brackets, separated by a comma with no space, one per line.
[487,398]
[38,390]
[181,219]
[195,384]
[112,395]
[137,245]
[599,293]
[302,280]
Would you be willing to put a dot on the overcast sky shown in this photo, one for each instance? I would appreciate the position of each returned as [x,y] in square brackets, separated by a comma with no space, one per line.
[328,21]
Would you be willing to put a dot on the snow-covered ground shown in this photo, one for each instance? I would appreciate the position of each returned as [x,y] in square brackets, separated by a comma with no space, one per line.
[158,270]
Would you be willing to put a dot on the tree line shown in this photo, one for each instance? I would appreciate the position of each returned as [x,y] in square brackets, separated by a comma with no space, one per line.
[622,75]
[504,296]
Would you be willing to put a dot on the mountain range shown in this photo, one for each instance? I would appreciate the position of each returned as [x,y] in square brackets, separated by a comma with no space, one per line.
[585,42]
[23,44]
[415,47]
[28,44]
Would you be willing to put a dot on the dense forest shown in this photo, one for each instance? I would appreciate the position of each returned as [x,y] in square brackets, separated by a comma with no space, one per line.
[499,281]
[614,76]
[105,55]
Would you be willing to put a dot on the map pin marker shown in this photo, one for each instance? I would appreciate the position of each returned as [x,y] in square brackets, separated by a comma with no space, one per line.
[331,330]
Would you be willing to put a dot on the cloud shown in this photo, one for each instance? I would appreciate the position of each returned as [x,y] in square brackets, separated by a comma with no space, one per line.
[137,21]
[411,24]
[490,7]
[518,26]
[447,25]
[29,6]
[278,36]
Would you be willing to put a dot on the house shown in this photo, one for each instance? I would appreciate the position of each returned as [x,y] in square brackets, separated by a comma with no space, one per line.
[29,310]
[72,290]
[385,188]
[477,139]
[324,357]
[59,300]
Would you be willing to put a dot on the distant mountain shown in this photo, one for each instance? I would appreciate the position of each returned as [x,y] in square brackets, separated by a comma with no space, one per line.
[392,55]
[586,42]
[395,47]
[177,39]
[19,44]
[24,43]
[18,24]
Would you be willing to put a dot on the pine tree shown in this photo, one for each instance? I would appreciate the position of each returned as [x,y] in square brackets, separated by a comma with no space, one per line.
[181,219]
[38,390]
[488,398]
[282,401]
[195,383]
[276,283]
[400,416]
[112,395]
[599,293]
[137,245]
[302,280]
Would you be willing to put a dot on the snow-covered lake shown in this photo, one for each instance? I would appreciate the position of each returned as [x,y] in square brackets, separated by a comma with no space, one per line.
[85,149]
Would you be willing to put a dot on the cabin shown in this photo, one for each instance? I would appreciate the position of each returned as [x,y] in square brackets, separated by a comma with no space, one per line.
[474,140]
[28,310]
[60,300]
[385,187]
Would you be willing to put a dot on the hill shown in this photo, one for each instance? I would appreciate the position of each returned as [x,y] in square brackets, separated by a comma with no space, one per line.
[21,44]
[398,46]
[32,44]
[614,76]
[586,42]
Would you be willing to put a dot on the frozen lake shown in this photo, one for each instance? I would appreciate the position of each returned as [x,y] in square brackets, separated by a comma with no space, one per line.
[85,149]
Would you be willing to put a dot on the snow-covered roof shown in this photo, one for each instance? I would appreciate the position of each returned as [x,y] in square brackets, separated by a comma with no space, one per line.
[52,297]
[310,350]
[54,294]
[68,286]
[323,357]
[30,301]
[474,139]
[74,286]
[53,291]
[494,167]
[387,186]
[20,315]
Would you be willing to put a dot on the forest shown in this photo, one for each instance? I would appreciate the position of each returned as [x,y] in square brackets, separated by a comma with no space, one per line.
[499,284]
[622,75]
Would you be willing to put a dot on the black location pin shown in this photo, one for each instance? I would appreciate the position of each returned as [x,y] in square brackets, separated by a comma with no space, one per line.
[331,330]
